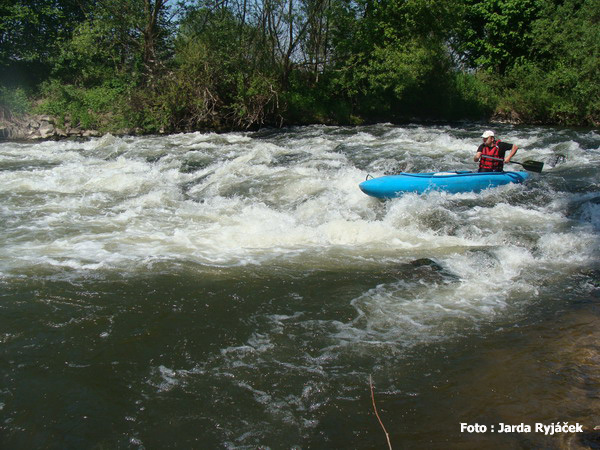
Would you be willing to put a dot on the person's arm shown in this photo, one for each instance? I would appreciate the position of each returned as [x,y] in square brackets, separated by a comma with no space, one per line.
[477,156]
[513,150]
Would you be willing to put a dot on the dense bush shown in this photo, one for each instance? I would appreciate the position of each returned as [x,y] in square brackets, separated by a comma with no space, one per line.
[14,101]
[100,107]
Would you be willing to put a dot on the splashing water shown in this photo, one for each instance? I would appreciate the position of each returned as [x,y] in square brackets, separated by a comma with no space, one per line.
[241,287]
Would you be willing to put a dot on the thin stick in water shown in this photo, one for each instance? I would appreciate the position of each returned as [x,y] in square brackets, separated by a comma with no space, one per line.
[387,436]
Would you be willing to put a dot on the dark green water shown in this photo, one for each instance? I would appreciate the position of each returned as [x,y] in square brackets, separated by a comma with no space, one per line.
[238,291]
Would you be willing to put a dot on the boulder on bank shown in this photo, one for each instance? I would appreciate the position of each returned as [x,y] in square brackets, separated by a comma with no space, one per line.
[37,127]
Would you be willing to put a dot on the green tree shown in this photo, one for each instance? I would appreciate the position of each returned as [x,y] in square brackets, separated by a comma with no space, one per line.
[388,53]
[560,83]
[495,34]
[29,33]
[223,73]
[127,36]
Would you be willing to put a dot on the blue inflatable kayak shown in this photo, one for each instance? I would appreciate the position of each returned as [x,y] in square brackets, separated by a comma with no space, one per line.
[391,186]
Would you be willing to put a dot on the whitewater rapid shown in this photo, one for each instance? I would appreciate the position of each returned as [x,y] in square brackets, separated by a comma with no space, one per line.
[239,289]
[277,200]
[235,199]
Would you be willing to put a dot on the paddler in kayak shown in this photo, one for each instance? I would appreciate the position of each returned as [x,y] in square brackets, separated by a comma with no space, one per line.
[495,149]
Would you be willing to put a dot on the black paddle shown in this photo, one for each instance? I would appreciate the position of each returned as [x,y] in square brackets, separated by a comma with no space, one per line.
[532,166]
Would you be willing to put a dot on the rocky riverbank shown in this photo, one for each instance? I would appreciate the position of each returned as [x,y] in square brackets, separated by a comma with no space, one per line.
[37,127]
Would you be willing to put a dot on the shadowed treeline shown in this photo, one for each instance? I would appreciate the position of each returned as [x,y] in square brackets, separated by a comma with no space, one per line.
[158,65]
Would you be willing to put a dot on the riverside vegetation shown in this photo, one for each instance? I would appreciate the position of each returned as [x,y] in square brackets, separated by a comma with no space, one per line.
[151,66]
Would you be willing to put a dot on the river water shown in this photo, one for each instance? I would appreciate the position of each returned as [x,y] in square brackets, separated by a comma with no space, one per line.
[239,291]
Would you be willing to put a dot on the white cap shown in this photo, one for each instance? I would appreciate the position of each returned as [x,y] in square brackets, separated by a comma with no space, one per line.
[487,134]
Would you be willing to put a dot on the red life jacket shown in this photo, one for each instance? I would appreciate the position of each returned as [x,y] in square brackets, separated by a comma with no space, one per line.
[491,164]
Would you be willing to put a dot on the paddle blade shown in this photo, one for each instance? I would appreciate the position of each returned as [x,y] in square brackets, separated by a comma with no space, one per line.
[533,166]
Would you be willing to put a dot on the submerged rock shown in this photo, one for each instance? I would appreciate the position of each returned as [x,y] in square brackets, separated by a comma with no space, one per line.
[427,270]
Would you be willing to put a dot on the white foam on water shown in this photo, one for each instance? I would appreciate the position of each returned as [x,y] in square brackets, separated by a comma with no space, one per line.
[398,315]
[243,207]
[223,202]
[124,204]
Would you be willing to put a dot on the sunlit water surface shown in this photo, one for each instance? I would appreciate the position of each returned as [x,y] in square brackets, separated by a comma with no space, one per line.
[238,291]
